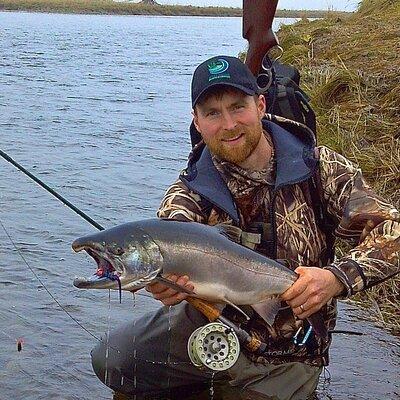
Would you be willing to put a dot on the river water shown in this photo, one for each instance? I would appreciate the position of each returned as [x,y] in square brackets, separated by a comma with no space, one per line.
[98,107]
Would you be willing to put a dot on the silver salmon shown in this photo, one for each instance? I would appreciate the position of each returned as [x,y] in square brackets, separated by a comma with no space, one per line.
[134,254]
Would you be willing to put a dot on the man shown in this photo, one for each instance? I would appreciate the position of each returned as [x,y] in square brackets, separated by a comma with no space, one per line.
[255,174]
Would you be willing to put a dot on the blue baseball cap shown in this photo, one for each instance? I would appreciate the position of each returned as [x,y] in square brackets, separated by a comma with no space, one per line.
[222,70]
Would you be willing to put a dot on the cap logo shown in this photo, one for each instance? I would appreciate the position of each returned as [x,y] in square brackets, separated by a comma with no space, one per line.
[216,68]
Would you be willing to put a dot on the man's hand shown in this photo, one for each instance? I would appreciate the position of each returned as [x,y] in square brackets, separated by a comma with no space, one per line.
[167,295]
[312,290]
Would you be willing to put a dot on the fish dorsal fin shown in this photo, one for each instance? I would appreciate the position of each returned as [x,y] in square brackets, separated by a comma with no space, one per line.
[174,286]
[268,309]
[233,233]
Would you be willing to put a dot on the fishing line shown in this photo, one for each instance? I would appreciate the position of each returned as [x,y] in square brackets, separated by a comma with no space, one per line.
[69,205]
[57,302]
[54,299]
[326,382]
[44,286]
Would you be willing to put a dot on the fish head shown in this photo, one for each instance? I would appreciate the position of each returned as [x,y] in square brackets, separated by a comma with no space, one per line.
[127,258]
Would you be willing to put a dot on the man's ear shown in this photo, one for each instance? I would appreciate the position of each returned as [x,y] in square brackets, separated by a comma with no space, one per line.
[261,105]
[196,120]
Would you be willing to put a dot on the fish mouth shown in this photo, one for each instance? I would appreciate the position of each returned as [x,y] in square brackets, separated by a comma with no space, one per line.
[111,272]
[108,274]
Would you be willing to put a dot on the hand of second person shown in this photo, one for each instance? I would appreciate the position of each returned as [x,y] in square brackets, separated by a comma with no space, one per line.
[312,290]
[167,295]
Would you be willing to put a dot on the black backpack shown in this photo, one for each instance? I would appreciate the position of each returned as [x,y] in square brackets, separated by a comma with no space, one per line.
[280,84]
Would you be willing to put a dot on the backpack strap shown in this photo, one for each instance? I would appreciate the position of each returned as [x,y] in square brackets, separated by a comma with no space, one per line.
[284,95]
[306,111]
[289,101]
[286,103]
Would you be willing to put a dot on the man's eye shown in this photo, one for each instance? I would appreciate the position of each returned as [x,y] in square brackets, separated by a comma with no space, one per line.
[212,113]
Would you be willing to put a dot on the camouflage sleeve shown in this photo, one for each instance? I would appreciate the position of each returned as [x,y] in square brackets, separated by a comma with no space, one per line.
[181,204]
[364,218]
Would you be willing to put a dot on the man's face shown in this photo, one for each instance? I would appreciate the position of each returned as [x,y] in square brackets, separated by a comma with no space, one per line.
[230,124]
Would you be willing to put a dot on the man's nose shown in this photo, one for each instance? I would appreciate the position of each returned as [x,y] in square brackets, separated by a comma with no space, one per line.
[229,122]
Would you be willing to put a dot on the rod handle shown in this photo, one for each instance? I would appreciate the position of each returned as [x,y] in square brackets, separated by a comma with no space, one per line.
[206,308]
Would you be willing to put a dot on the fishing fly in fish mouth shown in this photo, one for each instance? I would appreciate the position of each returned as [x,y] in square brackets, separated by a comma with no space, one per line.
[116,262]
[105,274]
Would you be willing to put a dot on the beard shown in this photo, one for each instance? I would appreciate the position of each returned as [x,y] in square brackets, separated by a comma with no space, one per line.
[235,153]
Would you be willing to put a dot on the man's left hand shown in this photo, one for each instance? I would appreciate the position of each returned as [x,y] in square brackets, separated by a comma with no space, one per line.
[312,290]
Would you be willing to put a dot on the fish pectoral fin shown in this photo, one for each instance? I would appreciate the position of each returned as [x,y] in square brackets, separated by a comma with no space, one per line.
[268,309]
[233,233]
[174,286]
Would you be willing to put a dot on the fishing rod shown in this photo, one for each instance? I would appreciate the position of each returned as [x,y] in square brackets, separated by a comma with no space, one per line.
[69,205]
[201,305]
[206,308]
[51,191]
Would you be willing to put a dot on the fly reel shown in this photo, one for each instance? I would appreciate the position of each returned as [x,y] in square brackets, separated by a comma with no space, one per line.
[214,346]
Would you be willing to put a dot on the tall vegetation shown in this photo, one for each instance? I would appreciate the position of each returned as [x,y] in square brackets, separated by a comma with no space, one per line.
[351,68]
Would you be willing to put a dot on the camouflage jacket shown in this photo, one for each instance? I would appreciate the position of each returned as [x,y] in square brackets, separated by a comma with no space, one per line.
[206,195]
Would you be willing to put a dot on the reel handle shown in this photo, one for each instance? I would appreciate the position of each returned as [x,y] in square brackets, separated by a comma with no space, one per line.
[206,308]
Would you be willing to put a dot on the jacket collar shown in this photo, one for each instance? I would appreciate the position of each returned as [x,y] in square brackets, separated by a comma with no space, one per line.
[203,178]
[294,150]
[295,162]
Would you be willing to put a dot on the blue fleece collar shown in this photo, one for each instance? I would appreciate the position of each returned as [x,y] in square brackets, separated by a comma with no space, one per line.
[203,178]
[295,162]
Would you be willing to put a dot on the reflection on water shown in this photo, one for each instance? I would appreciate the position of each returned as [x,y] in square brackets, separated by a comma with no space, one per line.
[98,107]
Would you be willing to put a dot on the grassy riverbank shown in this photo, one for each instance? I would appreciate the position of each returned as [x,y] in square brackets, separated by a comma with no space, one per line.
[128,8]
[350,66]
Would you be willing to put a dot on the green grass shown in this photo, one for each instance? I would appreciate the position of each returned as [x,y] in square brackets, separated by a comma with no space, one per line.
[350,66]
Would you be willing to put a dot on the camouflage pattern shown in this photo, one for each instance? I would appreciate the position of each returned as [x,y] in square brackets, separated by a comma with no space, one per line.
[362,217]
[366,219]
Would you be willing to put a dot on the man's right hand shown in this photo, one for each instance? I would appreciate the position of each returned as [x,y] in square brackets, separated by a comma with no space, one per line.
[167,295]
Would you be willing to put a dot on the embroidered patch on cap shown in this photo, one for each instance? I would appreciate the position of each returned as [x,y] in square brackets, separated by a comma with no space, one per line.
[217,69]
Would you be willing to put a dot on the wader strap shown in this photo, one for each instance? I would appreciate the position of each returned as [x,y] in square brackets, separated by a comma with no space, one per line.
[259,233]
